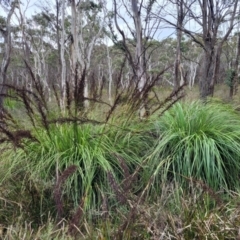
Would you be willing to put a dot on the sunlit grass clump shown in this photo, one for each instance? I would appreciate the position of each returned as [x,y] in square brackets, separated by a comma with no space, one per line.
[200,142]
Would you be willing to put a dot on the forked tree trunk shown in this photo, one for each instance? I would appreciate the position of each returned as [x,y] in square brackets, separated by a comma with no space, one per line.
[211,20]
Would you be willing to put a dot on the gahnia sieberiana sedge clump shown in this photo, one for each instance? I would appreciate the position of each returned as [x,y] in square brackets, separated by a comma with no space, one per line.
[200,141]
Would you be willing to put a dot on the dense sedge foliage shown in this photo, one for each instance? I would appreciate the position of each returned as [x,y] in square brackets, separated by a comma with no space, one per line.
[95,150]
[114,170]
[200,141]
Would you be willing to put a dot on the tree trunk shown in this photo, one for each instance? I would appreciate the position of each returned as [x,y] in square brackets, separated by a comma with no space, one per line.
[236,68]
[77,75]
[206,73]
[140,66]
[192,77]
[177,65]
[62,58]
[109,61]
[6,56]
[212,17]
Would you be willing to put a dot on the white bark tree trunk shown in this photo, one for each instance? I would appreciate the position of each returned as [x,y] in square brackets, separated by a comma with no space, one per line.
[7,51]
[141,73]
[109,61]
[82,48]
[63,62]
[192,77]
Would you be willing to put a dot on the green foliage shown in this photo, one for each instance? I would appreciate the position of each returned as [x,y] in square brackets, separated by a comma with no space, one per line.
[184,47]
[92,148]
[90,6]
[194,142]
[11,103]
[230,74]
[121,45]
[200,142]
[21,195]
[43,19]
[2,22]
[132,179]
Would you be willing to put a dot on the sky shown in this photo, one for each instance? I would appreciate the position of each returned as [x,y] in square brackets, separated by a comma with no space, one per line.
[30,7]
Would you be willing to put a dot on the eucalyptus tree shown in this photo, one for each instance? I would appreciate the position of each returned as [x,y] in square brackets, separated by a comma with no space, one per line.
[55,15]
[231,53]
[141,65]
[208,17]
[87,24]
[236,65]
[6,32]
[61,47]
[41,38]
[110,75]
[140,23]
[182,12]
[56,23]
[214,14]
[191,62]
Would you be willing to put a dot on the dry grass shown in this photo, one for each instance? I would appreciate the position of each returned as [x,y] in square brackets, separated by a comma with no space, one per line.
[173,215]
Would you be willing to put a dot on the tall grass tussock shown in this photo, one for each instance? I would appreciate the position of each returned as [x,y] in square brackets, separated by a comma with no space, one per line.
[200,141]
